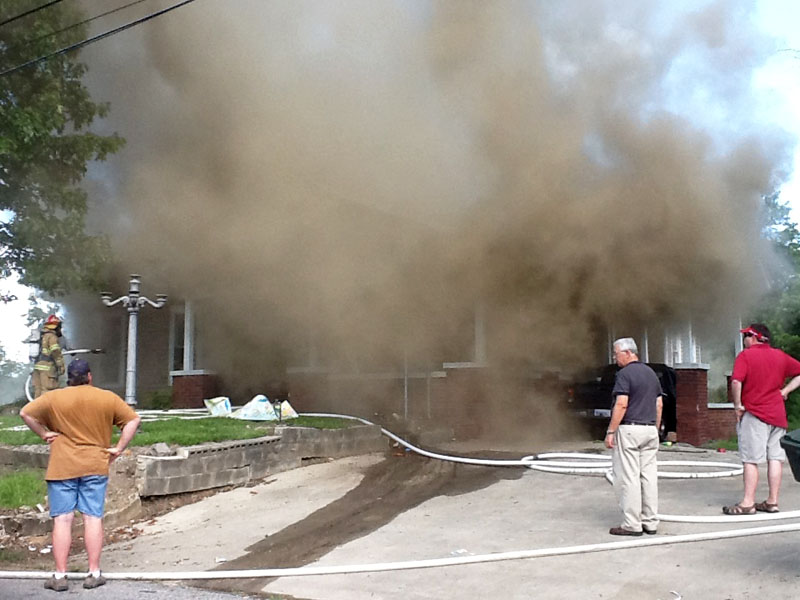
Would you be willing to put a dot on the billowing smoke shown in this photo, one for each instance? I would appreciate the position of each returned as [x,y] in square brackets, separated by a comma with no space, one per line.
[365,173]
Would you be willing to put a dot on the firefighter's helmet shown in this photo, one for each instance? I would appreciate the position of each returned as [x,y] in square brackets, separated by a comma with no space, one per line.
[52,322]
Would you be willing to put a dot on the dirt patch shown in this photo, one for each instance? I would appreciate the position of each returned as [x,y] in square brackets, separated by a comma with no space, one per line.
[388,489]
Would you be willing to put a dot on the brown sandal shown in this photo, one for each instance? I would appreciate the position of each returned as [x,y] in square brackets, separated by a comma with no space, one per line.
[738,509]
[767,507]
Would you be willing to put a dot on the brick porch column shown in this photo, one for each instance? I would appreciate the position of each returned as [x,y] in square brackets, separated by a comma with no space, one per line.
[692,403]
[190,388]
[464,398]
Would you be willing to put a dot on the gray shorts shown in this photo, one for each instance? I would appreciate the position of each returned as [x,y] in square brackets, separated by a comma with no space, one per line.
[759,441]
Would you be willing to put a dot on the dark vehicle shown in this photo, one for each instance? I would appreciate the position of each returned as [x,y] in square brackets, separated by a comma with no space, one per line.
[791,444]
[591,400]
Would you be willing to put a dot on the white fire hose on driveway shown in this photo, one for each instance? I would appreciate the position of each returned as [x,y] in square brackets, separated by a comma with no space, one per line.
[419,564]
[566,463]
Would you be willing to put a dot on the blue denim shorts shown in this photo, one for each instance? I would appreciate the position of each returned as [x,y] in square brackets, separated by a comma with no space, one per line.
[87,494]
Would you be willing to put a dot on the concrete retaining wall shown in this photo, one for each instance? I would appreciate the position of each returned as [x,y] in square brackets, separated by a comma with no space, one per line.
[25,456]
[235,463]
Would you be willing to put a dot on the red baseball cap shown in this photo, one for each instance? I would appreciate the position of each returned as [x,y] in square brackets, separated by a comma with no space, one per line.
[750,331]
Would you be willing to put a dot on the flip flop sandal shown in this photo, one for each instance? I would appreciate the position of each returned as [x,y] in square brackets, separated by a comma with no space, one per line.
[738,509]
[767,507]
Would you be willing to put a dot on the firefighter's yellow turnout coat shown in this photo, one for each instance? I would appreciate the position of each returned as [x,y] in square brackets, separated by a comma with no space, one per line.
[49,364]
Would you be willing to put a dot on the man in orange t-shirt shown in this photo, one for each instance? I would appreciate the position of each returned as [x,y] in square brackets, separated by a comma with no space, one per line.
[77,423]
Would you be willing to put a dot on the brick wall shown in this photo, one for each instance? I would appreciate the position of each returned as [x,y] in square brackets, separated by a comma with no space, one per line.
[691,398]
[697,423]
[721,423]
[461,400]
[455,400]
[189,391]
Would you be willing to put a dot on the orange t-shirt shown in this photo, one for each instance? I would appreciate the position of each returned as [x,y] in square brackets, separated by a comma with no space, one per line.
[85,417]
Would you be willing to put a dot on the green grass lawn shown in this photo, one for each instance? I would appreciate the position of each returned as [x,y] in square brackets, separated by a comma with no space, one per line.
[731,443]
[184,432]
[22,488]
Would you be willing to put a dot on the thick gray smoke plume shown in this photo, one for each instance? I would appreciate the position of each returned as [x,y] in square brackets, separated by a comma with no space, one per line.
[367,172]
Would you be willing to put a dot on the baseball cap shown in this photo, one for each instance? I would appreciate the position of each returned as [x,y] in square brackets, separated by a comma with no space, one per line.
[758,335]
[78,368]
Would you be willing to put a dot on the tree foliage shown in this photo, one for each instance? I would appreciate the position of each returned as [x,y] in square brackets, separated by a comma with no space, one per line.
[45,146]
[780,310]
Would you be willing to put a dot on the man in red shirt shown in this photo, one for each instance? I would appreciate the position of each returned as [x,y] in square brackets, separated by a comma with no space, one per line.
[759,398]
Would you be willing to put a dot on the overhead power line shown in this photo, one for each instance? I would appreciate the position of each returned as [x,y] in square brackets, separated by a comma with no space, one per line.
[96,38]
[74,25]
[29,12]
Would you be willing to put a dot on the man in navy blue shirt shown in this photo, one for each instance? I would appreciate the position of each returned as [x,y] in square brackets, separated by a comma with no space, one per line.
[633,437]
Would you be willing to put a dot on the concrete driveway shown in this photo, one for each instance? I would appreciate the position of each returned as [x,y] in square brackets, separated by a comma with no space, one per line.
[548,510]
[529,510]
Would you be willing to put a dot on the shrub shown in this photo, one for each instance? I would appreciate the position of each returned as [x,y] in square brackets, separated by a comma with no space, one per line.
[157,400]
[793,410]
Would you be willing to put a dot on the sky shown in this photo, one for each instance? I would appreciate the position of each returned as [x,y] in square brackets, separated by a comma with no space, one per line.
[778,85]
[779,79]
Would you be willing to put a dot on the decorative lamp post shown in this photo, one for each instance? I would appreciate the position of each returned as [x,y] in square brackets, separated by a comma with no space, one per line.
[133,301]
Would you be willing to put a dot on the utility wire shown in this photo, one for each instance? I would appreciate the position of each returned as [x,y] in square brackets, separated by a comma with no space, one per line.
[29,12]
[96,38]
[74,25]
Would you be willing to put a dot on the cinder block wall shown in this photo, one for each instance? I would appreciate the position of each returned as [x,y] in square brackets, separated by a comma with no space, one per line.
[237,462]
[31,456]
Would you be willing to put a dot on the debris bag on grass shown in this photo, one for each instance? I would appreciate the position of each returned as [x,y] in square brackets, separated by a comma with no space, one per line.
[287,412]
[219,406]
[258,409]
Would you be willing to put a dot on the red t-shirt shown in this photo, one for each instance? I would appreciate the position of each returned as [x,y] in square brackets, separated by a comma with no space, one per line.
[763,370]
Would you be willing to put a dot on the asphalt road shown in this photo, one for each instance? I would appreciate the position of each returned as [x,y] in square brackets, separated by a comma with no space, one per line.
[32,589]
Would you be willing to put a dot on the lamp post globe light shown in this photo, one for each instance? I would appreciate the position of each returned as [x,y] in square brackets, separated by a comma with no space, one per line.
[133,302]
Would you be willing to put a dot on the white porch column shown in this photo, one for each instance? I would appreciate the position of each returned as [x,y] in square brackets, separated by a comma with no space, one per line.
[693,357]
[738,343]
[188,336]
[645,347]
[480,333]
[612,337]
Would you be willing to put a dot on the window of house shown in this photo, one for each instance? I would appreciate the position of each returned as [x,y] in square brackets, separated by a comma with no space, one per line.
[176,339]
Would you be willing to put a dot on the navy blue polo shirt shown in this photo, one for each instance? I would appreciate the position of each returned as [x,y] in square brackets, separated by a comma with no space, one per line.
[640,383]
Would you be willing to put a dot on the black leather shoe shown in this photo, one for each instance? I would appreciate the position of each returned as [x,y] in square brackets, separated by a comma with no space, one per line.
[650,531]
[623,531]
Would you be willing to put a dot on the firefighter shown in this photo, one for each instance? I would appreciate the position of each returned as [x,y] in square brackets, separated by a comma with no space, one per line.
[49,364]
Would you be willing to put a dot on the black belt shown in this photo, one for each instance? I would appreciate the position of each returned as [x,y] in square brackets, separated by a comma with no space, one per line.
[624,422]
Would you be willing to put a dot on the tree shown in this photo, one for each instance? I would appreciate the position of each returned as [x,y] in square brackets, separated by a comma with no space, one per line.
[12,379]
[780,309]
[45,146]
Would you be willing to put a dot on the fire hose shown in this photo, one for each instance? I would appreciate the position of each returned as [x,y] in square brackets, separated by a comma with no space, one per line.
[418,564]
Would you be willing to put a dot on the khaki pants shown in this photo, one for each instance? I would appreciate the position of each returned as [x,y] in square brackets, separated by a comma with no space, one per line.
[636,475]
[43,382]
